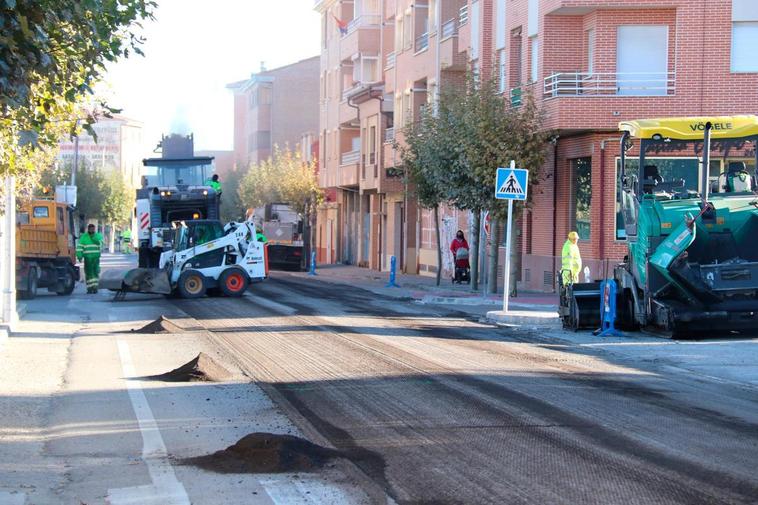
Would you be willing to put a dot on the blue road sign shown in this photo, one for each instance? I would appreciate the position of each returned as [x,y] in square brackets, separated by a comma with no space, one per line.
[512,183]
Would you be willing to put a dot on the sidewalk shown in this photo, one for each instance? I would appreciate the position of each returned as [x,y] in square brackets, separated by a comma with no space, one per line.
[422,289]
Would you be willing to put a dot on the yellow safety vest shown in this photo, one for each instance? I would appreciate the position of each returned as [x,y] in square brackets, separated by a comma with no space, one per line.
[571,261]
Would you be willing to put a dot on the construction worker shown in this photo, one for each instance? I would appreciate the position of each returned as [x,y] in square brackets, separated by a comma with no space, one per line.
[214,183]
[259,236]
[126,239]
[89,246]
[571,259]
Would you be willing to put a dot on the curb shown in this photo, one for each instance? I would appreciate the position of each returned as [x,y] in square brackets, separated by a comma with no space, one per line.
[473,300]
[525,318]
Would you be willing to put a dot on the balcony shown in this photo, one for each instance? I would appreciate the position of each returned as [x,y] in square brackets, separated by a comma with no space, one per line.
[449,29]
[450,57]
[390,63]
[463,15]
[350,157]
[516,97]
[585,84]
[389,135]
[362,36]
[422,42]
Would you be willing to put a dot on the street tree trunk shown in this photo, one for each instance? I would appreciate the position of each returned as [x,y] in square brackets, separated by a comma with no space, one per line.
[474,251]
[493,256]
[439,242]
[112,239]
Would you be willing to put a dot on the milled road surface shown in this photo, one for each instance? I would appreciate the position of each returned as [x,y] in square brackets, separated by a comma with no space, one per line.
[436,408]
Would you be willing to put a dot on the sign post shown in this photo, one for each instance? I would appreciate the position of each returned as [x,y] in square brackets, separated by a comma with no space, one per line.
[512,184]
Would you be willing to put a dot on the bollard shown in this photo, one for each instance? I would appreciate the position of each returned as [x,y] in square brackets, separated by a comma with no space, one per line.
[393,269]
[312,270]
[608,309]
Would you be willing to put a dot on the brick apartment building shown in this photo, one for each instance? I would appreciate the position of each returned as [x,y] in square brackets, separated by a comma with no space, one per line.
[274,107]
[590,63]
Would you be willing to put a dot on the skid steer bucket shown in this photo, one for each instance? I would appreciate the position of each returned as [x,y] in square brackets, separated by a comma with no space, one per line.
[137,280]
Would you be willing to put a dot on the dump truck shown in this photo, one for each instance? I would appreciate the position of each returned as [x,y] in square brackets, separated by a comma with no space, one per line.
[687,194]
[283,228]
[206,257]
[45,248]
[175,187]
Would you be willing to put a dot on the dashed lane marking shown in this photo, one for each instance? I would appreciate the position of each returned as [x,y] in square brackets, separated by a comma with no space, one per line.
[165,489]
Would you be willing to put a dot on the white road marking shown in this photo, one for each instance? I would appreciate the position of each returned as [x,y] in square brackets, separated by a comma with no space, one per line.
[305,491]
[165,488]
[12,498]
[270,304]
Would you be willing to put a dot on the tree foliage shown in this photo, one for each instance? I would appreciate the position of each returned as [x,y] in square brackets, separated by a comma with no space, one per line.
[285,177]
[52,52]
[452,155]
[118,199]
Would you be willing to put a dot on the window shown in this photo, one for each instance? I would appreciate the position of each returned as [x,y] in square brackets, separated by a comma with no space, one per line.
[372,145]
[475,30]
[502,60]
[40,212]
[407,31]
[533,18]
[744,35]
[581,169]
[264,96]
[500,7]
[744,42]
[642,60]
[407,112]
[535,60]
[590,51]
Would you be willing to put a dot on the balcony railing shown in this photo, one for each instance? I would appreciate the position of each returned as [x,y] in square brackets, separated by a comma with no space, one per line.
[390,60]
[614,84]
[389,135]
[363,21]
[422,42]
[516,97]
[463,15]
[449,29]
[351,157]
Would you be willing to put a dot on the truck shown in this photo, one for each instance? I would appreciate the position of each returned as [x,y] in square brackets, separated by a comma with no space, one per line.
[45,248]
[174,188]
[283,228]
[691,224]
[205,257]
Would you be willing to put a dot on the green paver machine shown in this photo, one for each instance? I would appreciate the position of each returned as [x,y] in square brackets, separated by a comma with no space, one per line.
[687,194]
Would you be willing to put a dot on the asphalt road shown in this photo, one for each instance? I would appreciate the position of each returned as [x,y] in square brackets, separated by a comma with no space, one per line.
[436,408]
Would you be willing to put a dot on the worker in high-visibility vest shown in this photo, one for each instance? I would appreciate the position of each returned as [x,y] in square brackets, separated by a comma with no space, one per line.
[214,183]
[88,248]
[571,263]
[126,240]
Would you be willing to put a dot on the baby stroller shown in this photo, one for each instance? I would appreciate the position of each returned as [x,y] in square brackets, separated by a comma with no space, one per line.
[462,267]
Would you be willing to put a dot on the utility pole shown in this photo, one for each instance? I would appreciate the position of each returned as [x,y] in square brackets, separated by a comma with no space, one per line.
[76,160]
[8,257]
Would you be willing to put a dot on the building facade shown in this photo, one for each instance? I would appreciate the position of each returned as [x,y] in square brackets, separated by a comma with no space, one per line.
[589,64]
[274,108]
[118,147]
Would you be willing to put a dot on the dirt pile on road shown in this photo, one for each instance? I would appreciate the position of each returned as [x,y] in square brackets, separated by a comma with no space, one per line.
[266,453]
[201,368]
[160,325]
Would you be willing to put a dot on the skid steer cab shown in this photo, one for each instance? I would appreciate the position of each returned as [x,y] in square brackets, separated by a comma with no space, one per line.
[206,258]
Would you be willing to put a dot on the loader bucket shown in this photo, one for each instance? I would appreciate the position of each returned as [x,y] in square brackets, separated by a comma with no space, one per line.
[137,280]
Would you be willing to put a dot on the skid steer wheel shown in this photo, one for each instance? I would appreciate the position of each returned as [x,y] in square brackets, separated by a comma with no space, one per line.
[191,284]
[233,282]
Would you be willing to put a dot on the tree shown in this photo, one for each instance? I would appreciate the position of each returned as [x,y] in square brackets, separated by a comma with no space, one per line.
[232,208]
[285,177]
[117,203]
[453,154]
[52,52]
[425,156]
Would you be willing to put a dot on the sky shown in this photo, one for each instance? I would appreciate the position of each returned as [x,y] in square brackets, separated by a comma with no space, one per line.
[194,49]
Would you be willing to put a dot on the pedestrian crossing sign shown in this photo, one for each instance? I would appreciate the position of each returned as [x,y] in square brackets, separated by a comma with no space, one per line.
[512,184]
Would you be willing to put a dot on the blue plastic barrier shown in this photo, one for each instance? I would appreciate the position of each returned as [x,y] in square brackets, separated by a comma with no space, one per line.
[312,270]
[393,273]
[608,309]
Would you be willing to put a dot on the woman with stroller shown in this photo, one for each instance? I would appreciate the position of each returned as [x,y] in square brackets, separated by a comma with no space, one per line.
[459,248]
